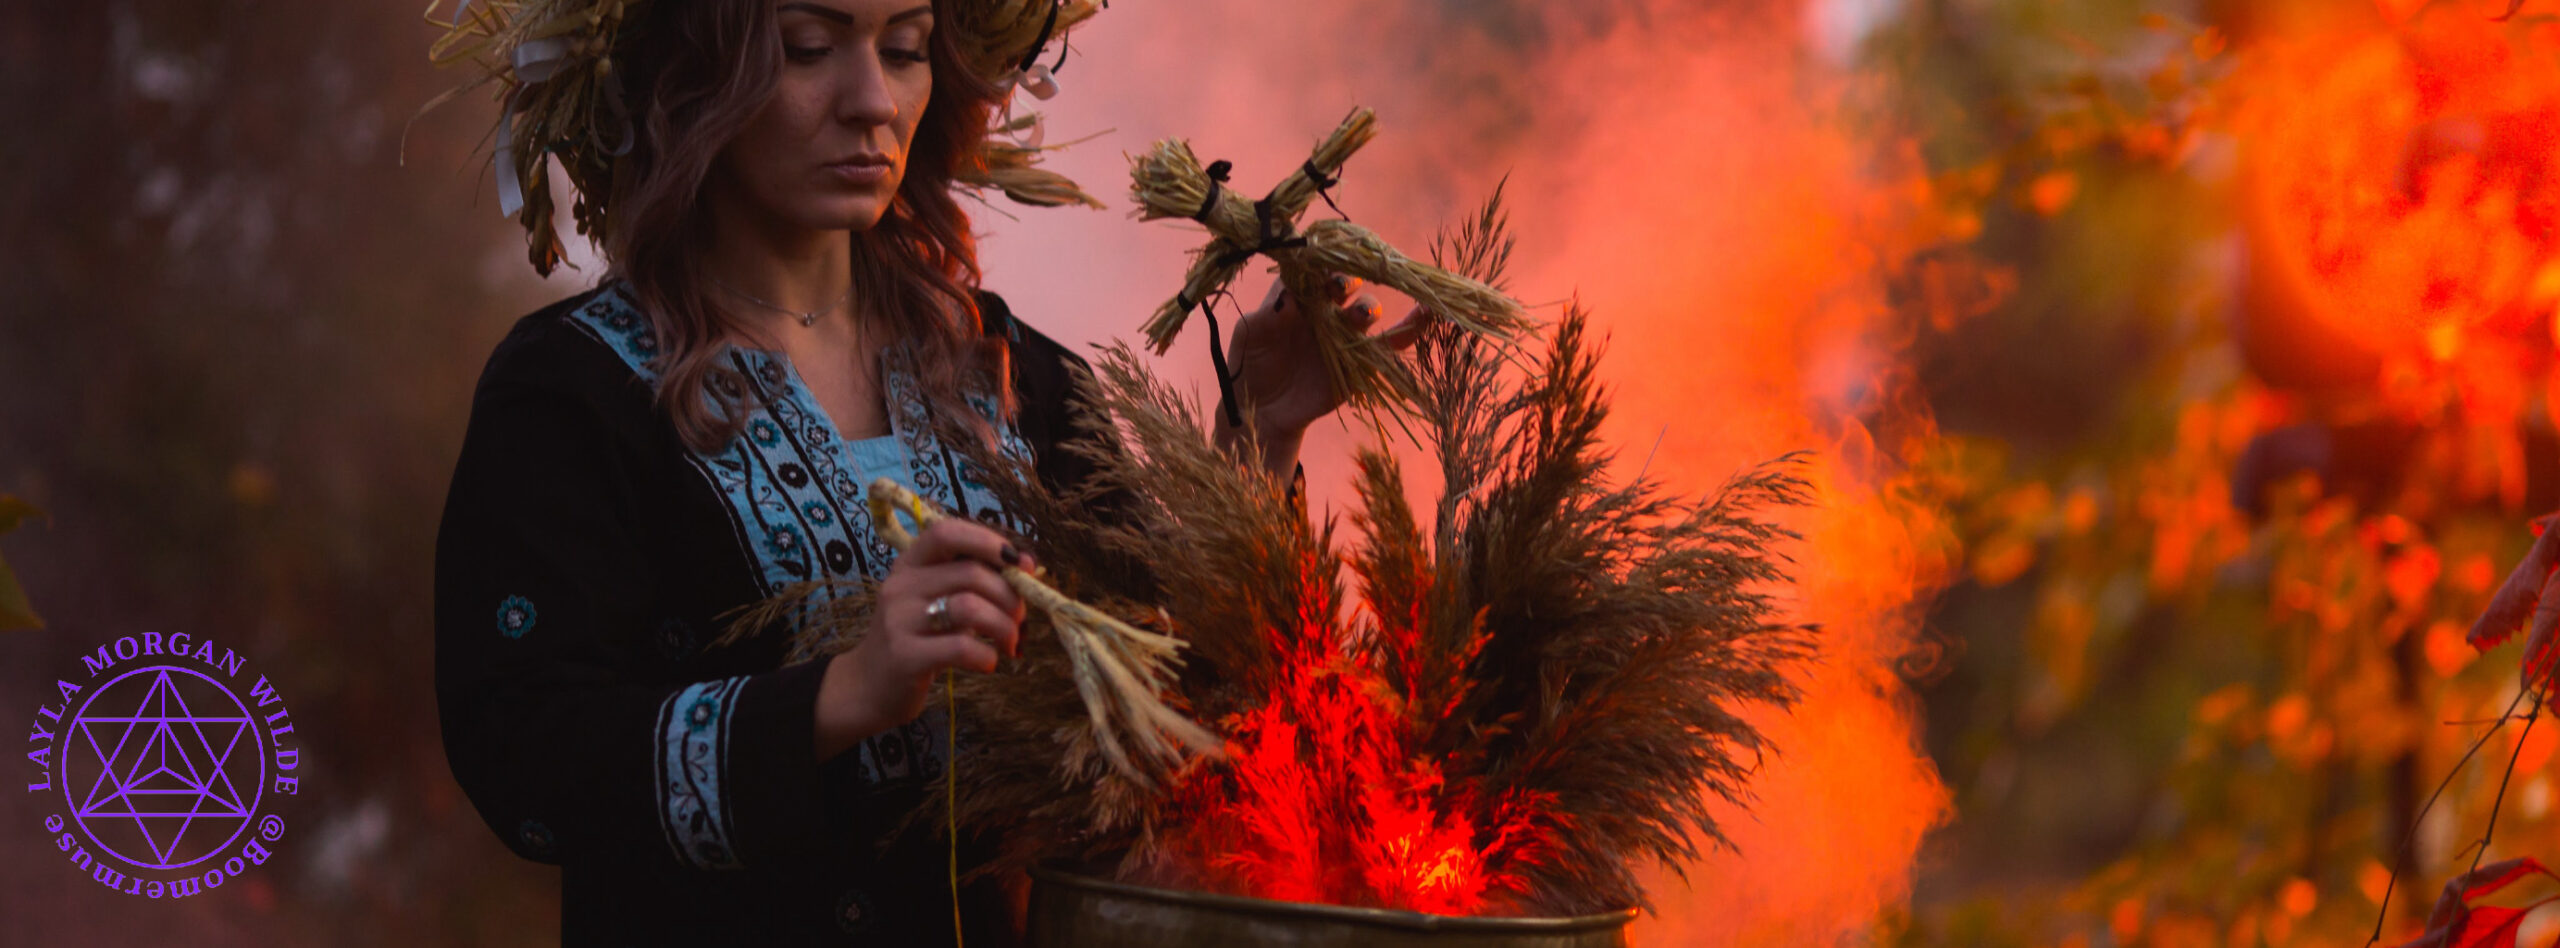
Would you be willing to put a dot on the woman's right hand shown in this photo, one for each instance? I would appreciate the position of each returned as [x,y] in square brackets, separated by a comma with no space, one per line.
[885,680]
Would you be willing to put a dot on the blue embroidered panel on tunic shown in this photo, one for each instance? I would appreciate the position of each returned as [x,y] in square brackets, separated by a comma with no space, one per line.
[794,487]
[795,491]
[693,731]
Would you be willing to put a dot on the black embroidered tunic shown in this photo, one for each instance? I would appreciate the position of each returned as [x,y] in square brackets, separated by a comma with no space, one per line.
[583,555]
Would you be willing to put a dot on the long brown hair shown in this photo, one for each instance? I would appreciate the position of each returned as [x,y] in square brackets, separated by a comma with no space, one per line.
[697,71]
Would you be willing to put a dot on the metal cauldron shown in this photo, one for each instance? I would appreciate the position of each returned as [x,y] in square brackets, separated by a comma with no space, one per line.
[1073,911]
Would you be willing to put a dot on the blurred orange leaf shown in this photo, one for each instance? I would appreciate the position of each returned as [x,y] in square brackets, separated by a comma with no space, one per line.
[2053,191]
[2003,558]
[15,611]
[2209,43]
[2398,10]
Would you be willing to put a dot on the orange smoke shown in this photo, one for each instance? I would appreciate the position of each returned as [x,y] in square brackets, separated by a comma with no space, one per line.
[1737,247]
[1679,170]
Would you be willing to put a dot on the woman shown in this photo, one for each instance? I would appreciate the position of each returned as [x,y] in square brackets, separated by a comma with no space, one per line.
[791,304]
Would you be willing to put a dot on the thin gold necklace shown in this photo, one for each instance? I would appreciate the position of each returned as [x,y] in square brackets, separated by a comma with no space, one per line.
[806,319]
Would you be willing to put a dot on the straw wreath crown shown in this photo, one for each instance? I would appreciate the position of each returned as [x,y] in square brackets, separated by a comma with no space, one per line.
[552,62]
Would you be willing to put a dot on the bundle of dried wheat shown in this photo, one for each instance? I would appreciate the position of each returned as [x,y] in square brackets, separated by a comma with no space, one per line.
[1119,670]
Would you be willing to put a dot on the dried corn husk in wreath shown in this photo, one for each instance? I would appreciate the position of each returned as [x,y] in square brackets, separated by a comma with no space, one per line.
[552,61]
[560,95]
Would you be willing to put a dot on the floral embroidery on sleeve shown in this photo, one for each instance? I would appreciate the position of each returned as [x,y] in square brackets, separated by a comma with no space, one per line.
[515,617]
[693,769]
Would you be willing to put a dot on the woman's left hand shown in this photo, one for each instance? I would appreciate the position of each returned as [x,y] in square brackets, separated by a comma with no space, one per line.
[1278,360]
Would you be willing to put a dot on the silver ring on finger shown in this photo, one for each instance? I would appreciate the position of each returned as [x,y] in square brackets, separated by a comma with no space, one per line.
[937,615]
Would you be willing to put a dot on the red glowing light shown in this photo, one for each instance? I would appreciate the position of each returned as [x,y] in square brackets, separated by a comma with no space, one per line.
[1324,799]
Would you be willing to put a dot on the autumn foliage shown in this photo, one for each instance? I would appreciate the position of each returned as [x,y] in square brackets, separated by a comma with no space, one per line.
[2252,572]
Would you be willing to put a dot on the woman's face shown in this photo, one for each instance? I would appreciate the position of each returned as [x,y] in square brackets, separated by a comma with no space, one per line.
[828,150]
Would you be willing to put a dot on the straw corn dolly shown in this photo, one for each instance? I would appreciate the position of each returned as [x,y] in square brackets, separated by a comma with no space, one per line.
[1168,181]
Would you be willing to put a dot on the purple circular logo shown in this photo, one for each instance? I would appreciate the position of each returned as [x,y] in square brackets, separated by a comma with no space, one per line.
[157,772]
[162,762]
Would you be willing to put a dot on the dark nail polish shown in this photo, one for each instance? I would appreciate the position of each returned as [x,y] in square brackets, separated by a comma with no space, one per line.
[1012,557]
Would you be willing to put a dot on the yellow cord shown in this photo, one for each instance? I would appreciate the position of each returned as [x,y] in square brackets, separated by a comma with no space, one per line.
[951,791]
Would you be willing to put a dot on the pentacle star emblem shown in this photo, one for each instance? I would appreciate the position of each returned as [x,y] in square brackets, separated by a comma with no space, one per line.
[164,769]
